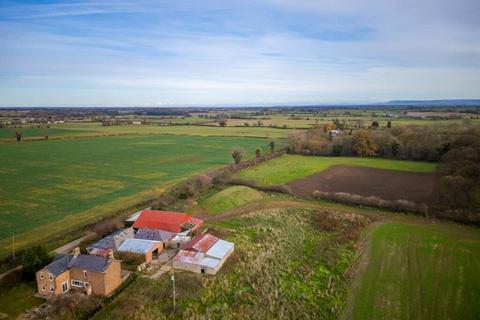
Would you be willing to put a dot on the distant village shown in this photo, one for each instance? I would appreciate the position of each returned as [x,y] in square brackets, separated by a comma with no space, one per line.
[155,241]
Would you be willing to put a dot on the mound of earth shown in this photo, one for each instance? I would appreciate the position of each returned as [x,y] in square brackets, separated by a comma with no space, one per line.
[230,198]
[384,184]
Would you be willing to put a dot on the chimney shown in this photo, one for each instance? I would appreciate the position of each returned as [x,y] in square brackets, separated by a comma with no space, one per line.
[76,252]
[110,255]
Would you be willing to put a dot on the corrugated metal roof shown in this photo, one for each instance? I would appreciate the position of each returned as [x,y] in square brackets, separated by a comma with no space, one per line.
[100,252]
[154,234]
[220,249]
[201,243]
[196,258]
[114,240]
[209,262]
[164,220]
[137,245]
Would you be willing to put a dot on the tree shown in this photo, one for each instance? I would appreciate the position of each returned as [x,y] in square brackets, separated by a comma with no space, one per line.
[363,144]
[259,123]
[329,126]
[246,124]
[222,123]
[18,135]
[389,124]
[272,146]
[375,124]
[257,153]
[34,259]
[237,154]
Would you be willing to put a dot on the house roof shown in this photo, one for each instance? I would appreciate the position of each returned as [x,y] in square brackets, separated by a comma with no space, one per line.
[201,243]
[137,245]
[166,220]
[59,265]
[114,240]
[89,263]
[154,234]
[220,249]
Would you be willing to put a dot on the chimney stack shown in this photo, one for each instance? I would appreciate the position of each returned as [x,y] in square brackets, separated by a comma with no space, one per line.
[76,252]
[110,255]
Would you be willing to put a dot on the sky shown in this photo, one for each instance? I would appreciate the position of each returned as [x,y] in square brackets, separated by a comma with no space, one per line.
[190,52]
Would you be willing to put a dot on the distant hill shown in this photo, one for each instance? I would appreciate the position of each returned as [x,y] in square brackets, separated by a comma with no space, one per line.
[446,103]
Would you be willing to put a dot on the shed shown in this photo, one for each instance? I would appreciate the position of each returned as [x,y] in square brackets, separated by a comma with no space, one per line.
[148,248]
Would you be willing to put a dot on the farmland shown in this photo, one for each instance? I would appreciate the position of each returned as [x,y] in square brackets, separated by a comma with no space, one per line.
[230,198]
[292,167]
[421,271]
[50,185]
[287,262]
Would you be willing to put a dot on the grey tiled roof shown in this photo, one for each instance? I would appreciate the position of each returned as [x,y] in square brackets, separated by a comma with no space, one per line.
[89,263]
[114,240]
[153,234]
[59,265]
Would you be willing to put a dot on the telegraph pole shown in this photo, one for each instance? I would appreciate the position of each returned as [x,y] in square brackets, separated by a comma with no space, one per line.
[173,282]
[13,245]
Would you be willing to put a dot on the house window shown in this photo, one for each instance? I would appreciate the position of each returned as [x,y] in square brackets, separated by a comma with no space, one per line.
[50,277]
[42,276]
[77,283]
[65,286]
[43,288]
[84,273]
[52,288]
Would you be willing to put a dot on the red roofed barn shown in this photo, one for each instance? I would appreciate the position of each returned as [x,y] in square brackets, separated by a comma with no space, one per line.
[175,222]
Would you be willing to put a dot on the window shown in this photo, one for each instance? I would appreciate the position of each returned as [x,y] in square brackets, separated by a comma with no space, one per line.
[52,288]
[84,273]
[77,283]
[86,284]
[65,286]
[43,288]
[50,277]
[42,276]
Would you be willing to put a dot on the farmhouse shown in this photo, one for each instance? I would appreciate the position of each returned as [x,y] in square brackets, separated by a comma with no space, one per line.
[147,248]
[85,273]
[110,243]
[174,222]
[204,254]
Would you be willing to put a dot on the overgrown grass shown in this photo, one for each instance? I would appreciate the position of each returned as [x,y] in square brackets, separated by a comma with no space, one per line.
[424,271]
[229,198]
[49,186]
[290,167]
[17,300]
[287,263]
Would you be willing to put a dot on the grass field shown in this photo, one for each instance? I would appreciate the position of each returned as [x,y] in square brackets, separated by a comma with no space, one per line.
[229,198]
[48,186]
[95,129]
[423,271]
[290,167]
[15,301]
[285,264]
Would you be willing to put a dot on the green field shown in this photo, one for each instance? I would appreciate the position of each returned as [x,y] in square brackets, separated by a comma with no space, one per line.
[290,167]
[48,186]
[423,271]
[9,133]
[16,301]
[230,198]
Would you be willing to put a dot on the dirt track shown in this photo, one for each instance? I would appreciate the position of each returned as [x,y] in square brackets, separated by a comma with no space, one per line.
[384,184]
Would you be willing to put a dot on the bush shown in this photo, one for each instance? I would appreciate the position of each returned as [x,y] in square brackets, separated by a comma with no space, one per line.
[34,259]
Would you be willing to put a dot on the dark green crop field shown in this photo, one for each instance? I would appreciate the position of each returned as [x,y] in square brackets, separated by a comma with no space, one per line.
[48,185]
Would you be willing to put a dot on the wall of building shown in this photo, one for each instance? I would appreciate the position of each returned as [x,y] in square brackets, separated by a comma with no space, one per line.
[47,283]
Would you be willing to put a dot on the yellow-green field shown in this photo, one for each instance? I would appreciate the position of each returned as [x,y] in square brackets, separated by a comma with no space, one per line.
[290,167]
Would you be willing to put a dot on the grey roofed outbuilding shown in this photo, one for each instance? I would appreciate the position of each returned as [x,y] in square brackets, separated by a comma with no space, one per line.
[137,245]
[59,265]
[220,249]
[153,234]
[89,263]
[114,240]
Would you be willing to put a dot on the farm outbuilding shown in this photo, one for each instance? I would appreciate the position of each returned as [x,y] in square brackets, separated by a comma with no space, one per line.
[111,242]
[204,254]
[147,248]
[174,222]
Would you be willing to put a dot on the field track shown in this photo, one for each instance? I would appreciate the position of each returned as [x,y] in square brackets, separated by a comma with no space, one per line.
[384,184]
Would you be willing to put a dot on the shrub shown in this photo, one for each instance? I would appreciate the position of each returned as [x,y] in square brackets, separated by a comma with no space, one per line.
[34,259]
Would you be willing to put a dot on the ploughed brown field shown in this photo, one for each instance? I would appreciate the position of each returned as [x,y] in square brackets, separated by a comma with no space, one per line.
[384,184]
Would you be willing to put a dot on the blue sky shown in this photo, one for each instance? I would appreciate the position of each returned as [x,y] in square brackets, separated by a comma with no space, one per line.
[125,53]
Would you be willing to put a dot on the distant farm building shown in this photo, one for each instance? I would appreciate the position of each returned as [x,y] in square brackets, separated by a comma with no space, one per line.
[334,133]
[148,249]
[169,239]
[89,274]
[204,254]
